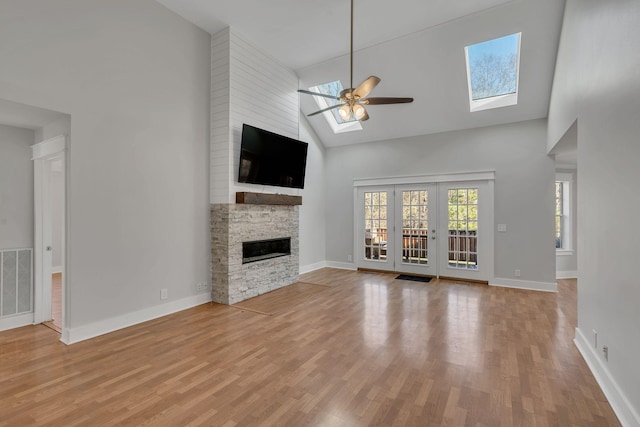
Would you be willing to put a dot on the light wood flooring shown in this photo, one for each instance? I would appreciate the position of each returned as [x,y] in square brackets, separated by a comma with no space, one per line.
[340,348]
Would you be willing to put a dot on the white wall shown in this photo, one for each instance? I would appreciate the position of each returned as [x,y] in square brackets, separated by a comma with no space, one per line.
[523,188]
[597,82]
[312,211]
[58,127]
[247,87]
[135,79]
[16,188]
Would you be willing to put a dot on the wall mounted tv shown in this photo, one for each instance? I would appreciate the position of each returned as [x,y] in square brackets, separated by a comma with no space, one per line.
[271,159]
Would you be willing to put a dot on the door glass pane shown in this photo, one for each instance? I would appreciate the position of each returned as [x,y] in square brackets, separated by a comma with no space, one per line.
[463,228]
[375,220]
[415,227]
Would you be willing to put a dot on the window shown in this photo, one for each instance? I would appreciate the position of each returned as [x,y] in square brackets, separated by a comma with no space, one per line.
[492,72]
[338,125]
[463,228]
[563,212]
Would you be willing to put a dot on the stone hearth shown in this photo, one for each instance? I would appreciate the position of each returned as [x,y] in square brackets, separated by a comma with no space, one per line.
[233,224]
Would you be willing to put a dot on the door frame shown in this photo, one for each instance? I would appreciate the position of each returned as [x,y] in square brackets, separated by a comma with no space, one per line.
[42,154]
[486,250]
[431,268]
[375,264]
[454,177]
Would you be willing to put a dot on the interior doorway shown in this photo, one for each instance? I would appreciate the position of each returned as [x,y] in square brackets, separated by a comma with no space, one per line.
[440,229]
[49,266]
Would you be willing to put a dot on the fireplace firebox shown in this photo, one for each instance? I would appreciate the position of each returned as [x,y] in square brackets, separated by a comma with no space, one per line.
[260,250]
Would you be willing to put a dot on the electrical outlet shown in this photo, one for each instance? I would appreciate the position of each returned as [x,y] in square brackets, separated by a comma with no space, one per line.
[502,228]
[198,286]
[350,258]
[517,273]
[164,293]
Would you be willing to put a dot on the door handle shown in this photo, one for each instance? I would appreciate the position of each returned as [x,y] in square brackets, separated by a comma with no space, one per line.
[49,248]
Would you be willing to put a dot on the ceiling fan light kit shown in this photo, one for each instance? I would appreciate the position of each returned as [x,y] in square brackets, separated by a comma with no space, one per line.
[352,101]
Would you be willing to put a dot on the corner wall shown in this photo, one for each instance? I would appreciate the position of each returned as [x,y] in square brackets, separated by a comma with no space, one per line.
[597,82]
[135,79]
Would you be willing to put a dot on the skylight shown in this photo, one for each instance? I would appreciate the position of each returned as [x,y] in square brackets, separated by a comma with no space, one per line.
[492,72]
[333,118]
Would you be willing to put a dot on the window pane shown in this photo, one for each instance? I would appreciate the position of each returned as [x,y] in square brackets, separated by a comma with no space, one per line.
[493,67]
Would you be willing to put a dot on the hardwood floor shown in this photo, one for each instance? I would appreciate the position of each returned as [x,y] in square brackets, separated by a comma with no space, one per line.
[339,349]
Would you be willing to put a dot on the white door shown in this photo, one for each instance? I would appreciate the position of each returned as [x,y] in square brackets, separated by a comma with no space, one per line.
[375,215]
[416,229]
[46,154]
[442,229]
[466,218]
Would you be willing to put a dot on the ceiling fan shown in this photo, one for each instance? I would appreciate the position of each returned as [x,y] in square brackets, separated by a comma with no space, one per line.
[352,101]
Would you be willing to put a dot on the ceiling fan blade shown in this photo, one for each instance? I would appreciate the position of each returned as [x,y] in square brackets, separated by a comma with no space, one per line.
[384,100]
[366,86]
[325,109]
[308,92]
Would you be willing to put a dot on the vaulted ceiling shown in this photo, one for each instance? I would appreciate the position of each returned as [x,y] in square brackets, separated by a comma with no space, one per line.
[415,46]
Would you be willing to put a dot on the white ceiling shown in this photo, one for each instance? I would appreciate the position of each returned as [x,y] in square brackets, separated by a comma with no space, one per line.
[415,46]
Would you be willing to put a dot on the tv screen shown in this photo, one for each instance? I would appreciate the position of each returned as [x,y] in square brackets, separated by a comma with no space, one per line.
[271,159]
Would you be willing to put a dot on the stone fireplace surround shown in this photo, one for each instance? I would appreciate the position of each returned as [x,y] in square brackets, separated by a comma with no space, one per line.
[233,224]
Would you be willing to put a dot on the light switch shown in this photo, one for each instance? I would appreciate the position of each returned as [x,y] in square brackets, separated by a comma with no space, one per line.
[502,227]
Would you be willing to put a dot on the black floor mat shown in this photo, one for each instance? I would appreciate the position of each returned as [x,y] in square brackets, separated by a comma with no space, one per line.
[413,278]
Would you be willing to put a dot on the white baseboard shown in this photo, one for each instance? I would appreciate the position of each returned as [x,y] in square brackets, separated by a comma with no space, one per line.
[312,267]
[16,321]
[56,269]
[342,265]
[92,330]
[627,415]
[524,284]
[566,274]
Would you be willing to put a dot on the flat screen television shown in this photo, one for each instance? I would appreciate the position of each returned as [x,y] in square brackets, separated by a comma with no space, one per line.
[270,159]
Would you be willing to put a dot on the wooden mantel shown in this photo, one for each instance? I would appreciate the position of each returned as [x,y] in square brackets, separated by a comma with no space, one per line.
[247,198]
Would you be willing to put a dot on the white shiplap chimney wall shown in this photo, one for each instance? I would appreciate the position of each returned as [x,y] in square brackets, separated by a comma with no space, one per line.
[249,87]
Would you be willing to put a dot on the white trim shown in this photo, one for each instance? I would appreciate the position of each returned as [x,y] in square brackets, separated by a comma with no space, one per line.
[564,252]
[524,284]
[426,179]
[52,149]
[568,216]
[92,330]
[16,321]
[566,274]
[49,147]
[342,265]
[313,267]
[563,176]
[625,412]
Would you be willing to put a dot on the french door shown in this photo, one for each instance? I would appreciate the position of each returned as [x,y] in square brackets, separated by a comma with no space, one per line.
[428,229]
